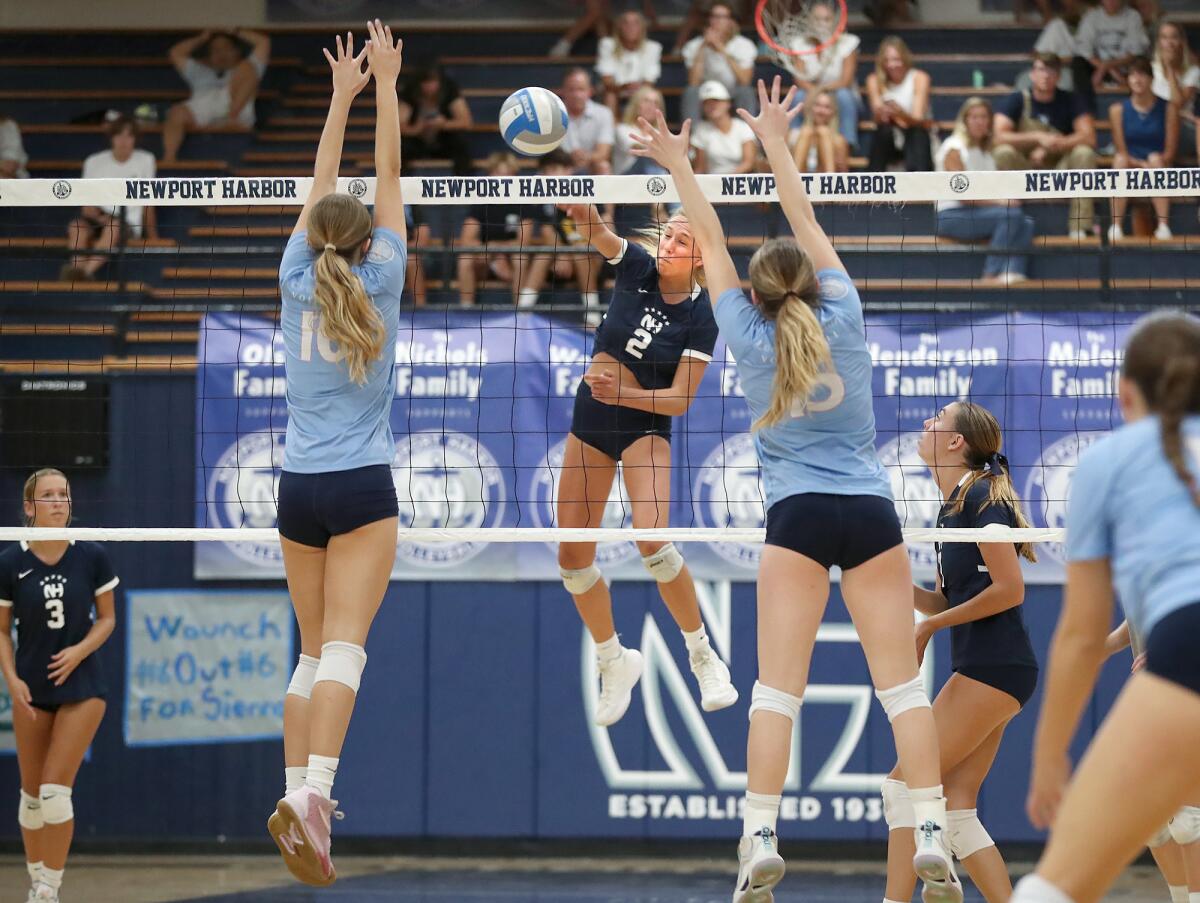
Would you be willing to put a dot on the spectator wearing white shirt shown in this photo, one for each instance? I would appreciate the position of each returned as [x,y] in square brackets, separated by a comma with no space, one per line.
[590,128]
[832,68]
[646,103]
[12,152]
[1177,76]
[722,55]
[1058,38]
[818,145]
[596,17]
[1108,39]
[723,144]
[224,79]
[99,228]
[628,61]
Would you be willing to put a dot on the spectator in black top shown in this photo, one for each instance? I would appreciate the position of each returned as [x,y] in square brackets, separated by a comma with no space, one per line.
[1047,128]
[433,117]
[502,227]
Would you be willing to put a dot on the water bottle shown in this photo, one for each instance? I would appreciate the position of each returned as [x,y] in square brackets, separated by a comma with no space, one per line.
[977,78]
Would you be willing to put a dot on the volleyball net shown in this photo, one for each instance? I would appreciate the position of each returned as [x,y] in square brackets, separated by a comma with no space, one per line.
[153,374]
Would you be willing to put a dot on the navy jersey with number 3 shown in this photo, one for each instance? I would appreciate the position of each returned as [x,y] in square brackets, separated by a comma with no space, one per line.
[645,333]
[53,607]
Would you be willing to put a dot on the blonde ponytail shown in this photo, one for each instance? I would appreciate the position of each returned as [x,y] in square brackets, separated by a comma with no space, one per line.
[338,226]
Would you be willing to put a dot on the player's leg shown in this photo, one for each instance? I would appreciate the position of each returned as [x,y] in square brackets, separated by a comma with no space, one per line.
[75,726]
[646,467]
[470,265]
[969,840]
[1169,859]
[32,731]
[305,569]
[178,123]
[1185,832]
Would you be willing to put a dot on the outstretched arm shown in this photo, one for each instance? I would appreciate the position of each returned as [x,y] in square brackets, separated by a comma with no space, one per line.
[670,150]
[594,230]
[385,57]
[348,79]
[180,53]
[771,127]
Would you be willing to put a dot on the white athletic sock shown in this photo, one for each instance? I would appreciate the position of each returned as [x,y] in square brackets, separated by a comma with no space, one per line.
[696,639]
[886,900]
[320,774]
[51,877]
[1194,897]
[928,805]
[762,809]
[527,297]
[609,649]
[1179,893]
[293,778]
[1036,889]
[35,872]
[591,300]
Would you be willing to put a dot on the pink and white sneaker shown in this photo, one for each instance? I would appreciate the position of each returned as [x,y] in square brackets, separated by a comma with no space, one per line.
[301,828]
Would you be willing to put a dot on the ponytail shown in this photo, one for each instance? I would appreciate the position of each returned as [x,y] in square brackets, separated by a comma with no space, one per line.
[1177,387]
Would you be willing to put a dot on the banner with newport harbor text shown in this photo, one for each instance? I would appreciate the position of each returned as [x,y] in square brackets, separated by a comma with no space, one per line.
[483,406]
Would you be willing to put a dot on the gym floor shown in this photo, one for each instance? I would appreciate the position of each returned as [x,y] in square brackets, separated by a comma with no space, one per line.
[262,879]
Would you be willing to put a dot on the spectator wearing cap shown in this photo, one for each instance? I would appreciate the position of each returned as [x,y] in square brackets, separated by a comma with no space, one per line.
[723,143]
[101,229]
[722,55]
[590,128]
[12,152]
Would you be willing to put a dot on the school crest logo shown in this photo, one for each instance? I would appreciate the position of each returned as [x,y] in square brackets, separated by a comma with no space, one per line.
[959,183]
[1048,488]
[243,489]
[656,185]
[61,189]
[357,188]
[729,493]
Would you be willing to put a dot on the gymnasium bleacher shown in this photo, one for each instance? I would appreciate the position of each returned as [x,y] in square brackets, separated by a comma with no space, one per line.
[145,309]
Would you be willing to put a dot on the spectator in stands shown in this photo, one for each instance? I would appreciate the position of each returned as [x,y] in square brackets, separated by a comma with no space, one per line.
[969,147]
[596,16]
[833,69]
[557,230]
[722,143]
[645,103]
[1058,38]
[1109,37]
[99,229]
[496,226]
[12,152]
[223,69]
[628,61]
[722,55]
[590,128]
[433,119]
[696,20]
[420,236]
[819,146]
[1145,130]
[1048,128]
[1177,76]
[899,96]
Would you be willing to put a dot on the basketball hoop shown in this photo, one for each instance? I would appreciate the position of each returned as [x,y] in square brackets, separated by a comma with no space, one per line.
[791,30]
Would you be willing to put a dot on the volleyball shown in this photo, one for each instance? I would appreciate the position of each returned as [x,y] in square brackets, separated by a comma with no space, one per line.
[533,121]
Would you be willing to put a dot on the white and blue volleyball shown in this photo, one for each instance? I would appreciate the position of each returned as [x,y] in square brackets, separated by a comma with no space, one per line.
[533,121]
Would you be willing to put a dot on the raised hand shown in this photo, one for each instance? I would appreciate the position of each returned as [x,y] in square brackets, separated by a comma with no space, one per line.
[348,75]
[774,115]
[383,54]
[660,144]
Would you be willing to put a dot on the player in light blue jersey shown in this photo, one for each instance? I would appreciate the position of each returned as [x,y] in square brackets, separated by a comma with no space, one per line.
[802,356]
[1133,533]
[340,280]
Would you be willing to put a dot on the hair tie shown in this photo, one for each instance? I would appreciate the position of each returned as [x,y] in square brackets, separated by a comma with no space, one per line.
[330,246]
[997,465]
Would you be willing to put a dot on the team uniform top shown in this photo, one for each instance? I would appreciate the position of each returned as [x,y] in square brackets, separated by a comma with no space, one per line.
[646,334]
[53,606]
[831,449]
[1000,639]
[1128,505]
[334,423]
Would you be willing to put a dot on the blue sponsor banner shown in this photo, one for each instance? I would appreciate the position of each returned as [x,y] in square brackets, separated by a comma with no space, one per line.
[483,407]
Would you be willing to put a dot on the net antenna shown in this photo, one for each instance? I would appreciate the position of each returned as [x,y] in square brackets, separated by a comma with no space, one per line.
[794,29]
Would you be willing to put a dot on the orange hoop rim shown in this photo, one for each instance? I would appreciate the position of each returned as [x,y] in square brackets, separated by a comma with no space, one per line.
[838,29]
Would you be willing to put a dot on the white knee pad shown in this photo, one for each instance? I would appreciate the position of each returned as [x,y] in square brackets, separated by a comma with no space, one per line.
[898,700]
[1185,825]
[29,814]
[56,804]
[767,699]
[897,805]
[1160,838]
[665,564]
[965,833]
[341,663]
[580,581]
[304,677]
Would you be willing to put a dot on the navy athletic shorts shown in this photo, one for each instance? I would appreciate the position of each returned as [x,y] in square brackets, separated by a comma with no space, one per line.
[316,506]
[1171,647]
[1018,681]
[610,428]
[846,530]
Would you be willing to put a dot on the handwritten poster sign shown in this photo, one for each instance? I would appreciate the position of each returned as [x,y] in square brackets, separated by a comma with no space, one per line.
[206,666]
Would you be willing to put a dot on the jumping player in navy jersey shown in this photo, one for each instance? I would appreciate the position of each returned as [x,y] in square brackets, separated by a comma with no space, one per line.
[340,280]
[802,358]
[1133,534]
[979,595]
[650,354]
[60,596]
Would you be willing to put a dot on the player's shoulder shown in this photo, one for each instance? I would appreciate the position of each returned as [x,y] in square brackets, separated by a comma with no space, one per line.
[90,551]
[10,556]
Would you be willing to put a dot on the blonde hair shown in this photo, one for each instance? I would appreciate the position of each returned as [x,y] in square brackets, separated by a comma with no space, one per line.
[786,287]
[894,41]
[30,491]
[812,100]
[960,123]
[648,238]
[1187,59]
[629,114]
[619,48]
[496,159]
[338,225]
[981,432]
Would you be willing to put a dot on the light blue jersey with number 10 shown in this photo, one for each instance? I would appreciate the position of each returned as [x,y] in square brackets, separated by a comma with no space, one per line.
[830,447]
[334,423]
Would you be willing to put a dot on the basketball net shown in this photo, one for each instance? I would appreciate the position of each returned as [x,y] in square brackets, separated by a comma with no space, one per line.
[793,29]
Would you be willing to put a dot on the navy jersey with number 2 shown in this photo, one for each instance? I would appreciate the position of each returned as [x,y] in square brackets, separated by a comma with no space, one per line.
[53,607]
